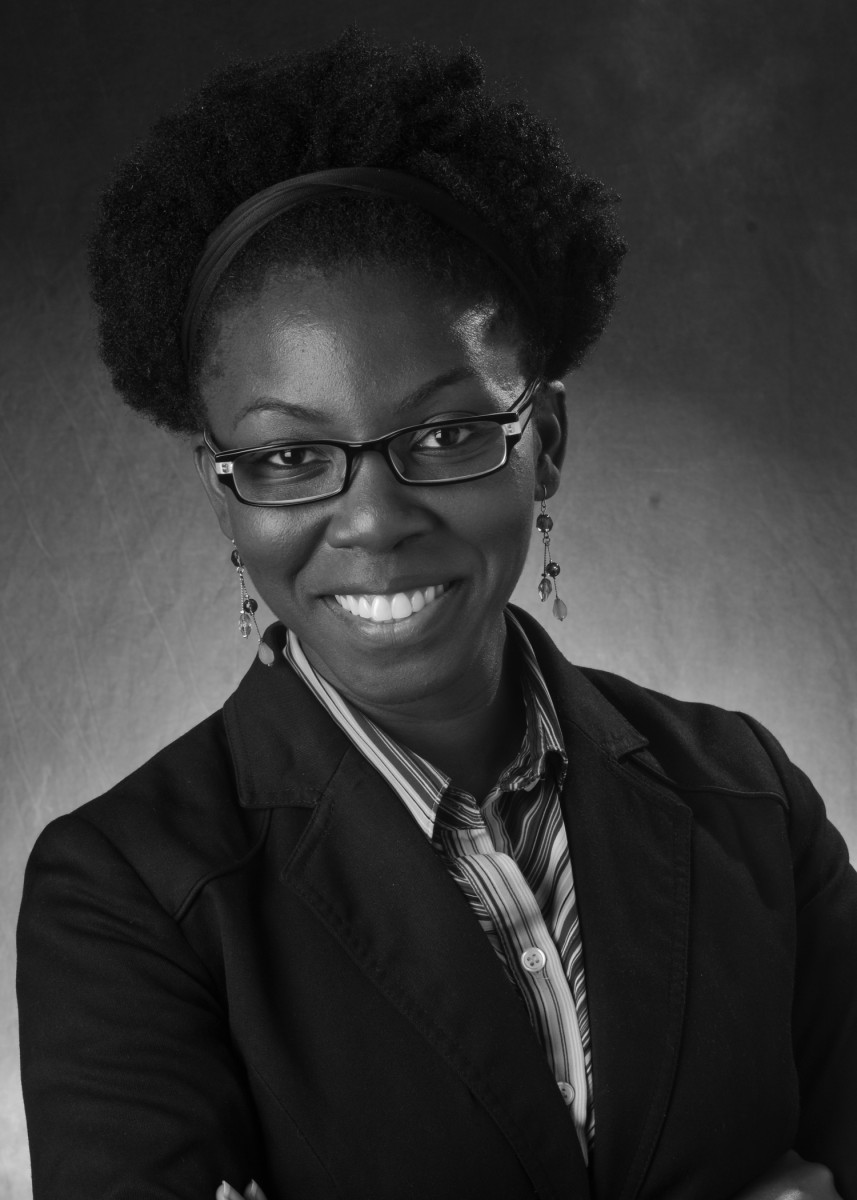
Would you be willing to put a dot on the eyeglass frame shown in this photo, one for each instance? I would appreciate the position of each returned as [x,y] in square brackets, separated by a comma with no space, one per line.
[510,419]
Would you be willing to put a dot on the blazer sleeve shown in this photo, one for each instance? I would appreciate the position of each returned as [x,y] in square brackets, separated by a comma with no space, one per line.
[825,998]
[131,1087]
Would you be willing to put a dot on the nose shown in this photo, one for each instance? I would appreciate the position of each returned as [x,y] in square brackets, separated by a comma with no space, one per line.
[378,511]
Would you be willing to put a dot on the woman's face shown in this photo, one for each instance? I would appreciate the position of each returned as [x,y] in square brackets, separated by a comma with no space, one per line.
[354,356]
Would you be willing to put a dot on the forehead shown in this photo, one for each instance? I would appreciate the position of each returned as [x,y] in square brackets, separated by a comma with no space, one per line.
[360,335]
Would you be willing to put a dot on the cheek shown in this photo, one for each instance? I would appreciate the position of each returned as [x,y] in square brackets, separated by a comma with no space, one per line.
[274,544]
[504,518]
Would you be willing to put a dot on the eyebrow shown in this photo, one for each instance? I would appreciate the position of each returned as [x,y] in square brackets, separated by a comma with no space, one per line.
[411,400]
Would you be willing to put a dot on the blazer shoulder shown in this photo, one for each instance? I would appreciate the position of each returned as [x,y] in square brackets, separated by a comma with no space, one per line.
[176,819]
[699,746]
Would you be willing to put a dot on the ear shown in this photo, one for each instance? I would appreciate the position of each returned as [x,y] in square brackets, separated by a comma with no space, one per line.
[551,424]
[218,495]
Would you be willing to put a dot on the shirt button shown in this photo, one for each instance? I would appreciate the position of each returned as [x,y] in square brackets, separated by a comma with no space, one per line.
[566,1091]
[533,960]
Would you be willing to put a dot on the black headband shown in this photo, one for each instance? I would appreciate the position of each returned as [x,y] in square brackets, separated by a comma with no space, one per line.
[248,218]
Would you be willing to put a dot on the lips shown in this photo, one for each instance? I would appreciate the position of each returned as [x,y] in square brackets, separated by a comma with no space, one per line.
[380,607]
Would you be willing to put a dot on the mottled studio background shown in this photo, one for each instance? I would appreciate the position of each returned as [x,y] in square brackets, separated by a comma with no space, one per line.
[706,527]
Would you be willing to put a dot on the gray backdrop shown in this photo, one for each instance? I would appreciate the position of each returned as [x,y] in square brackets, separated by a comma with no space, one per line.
[706,522]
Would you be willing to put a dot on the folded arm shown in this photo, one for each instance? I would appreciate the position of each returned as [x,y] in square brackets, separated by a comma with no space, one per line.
[824,1012]
[130,1082]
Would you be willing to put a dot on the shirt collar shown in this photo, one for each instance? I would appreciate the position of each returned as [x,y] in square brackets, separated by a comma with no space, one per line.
[543,742]
[418,783]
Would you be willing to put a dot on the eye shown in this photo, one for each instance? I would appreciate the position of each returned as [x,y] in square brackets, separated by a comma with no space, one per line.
[286,462]
[294,456]
[291,458]
[443,437]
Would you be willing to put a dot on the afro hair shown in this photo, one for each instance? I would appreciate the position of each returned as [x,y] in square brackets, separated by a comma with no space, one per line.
[352,103]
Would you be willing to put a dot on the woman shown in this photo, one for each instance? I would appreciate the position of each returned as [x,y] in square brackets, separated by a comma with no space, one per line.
[424,911]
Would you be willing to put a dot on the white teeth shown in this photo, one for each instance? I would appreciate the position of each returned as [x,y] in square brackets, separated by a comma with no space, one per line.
[401,607]
[394,606]
[381,610]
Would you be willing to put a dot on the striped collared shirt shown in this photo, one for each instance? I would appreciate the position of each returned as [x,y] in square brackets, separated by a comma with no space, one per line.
[509,856]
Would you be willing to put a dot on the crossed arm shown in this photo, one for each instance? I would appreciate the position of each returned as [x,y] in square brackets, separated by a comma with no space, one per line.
[790,1178]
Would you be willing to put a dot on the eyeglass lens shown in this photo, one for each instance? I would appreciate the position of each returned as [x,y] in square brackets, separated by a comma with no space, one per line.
[313,470]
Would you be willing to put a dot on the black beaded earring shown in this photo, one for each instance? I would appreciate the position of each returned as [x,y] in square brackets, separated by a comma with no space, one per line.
[247,617]
[550,569]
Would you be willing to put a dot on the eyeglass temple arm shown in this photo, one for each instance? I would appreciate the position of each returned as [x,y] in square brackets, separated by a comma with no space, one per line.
[524,403]
[220,468]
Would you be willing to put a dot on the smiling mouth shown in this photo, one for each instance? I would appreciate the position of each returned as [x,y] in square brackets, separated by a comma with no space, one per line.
[390,606]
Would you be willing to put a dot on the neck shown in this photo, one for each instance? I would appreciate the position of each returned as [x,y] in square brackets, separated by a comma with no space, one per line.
[470,742]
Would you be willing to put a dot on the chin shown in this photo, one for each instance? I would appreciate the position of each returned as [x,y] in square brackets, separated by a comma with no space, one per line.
[435,653]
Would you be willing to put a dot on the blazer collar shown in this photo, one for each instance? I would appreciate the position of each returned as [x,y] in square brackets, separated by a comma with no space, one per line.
[579,704]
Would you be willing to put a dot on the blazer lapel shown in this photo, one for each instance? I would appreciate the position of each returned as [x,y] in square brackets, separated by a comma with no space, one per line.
[631,861]
[630,844]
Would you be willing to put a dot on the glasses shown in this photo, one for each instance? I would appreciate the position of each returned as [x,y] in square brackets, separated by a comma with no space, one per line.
[447,451]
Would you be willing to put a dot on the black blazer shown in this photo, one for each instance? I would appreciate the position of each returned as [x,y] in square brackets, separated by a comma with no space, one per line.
[247,960]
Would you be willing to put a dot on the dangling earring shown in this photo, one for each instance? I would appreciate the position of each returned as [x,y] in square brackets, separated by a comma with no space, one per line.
[550,569]
[247,617]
